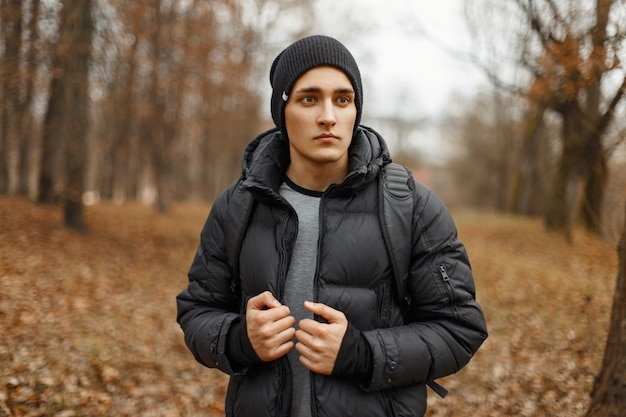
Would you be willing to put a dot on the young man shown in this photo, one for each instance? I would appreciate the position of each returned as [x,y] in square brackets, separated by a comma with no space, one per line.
[307,319]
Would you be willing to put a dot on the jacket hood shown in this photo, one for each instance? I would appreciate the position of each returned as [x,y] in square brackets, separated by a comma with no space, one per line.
[266,158]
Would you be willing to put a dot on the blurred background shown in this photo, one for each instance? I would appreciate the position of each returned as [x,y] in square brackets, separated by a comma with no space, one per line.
[512,105]
[125,119]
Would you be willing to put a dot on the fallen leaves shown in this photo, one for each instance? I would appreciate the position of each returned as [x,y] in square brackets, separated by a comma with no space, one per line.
[89,320]
[547,304]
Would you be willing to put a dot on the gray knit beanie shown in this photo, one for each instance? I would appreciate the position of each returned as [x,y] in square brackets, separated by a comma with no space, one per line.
[301,56]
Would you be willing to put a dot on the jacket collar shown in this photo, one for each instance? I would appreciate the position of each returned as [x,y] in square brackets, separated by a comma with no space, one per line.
[266,159]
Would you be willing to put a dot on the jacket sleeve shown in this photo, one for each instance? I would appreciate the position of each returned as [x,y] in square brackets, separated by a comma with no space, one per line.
[445,326]
[208,307]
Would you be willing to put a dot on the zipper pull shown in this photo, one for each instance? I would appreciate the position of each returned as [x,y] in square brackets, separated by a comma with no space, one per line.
[444,273]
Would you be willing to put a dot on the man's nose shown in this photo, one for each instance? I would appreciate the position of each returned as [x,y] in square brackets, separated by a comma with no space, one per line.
[327,116]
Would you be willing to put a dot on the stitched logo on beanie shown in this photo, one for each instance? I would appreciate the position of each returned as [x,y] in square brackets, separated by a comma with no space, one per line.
[285,97]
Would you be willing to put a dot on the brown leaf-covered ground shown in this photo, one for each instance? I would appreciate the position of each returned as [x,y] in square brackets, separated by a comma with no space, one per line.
[87,321]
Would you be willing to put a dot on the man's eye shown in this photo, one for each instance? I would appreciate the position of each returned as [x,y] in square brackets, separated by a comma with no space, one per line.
[308,100]
[343,100]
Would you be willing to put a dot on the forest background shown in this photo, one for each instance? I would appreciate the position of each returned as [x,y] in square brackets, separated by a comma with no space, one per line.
[114,108]
[155,100]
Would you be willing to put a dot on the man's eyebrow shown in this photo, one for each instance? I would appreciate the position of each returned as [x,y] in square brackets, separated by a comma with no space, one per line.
[309,90]
[341,90]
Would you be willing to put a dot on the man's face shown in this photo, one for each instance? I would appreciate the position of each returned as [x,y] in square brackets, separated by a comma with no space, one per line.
[320,117]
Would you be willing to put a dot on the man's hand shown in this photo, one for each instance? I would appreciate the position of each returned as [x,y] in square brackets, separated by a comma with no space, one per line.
[270,326]
[319,343]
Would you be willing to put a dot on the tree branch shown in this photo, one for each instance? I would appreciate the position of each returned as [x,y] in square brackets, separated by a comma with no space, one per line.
[604,120]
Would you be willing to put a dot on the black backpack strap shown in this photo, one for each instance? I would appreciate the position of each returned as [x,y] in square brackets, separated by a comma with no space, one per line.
[396,215]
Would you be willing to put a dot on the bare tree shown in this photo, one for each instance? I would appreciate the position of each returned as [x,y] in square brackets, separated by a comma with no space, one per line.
[608,398]
[20,38]
[528,190]
[176,87]
[576,82]
[67,116]
[28,79]
[567,60]
[77,124]
[11,32]
[158,142]
[52,144]
[488,148]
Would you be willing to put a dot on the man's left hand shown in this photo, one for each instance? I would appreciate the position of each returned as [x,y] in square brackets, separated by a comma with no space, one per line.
[319,343]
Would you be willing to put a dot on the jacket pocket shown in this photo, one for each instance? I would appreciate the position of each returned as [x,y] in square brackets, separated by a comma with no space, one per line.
[447,282]
[383,306]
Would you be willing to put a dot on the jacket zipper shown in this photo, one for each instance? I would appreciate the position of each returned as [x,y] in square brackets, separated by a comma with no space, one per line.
[284,370]
[383,312]
[284,260]
[449,288]
[320,220]
[314,411]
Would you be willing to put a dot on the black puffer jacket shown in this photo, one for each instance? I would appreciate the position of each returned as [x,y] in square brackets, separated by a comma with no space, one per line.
[442,329]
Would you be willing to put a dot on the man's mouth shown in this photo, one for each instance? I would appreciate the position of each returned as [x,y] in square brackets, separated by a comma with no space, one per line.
[326,136]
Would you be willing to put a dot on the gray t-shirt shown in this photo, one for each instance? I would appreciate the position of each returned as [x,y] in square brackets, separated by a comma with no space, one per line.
[299,283]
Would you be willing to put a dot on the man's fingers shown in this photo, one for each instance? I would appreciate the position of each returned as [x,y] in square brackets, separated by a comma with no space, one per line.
[318,349]
[311,328]
[263,300]
[265,308]
[270,326]
[262,317]
[305,333]
[278,343]
[322,310]
[274,351]
[319,343]
[282,350]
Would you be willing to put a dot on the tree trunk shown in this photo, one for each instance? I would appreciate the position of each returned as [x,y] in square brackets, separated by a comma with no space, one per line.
[524,187]
[595,160]
[560,202]
[557,215]
[124,140]
[77,73]
[167,92]
[608,397]
[27,141]
[52,144]
[159,143]
[595,184]
[11,34]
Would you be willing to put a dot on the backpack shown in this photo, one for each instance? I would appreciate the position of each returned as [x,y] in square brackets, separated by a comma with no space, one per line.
[396,213]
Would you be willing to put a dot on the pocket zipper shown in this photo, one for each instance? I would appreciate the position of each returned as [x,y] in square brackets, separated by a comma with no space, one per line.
[449,288]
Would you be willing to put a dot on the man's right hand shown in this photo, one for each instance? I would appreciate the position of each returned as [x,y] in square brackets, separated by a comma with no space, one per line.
[270,326]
